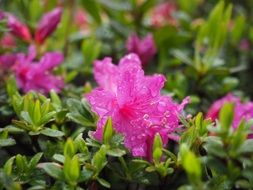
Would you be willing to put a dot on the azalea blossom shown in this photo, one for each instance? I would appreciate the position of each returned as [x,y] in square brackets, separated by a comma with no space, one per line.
[134,103]
[242,110]
[163,14]
[145,48]
[36,75]
[47,25]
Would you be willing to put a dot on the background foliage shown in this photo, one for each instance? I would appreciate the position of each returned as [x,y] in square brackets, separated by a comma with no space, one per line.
[205,53]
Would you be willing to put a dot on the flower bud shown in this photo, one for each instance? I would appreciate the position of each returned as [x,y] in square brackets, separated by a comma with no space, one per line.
[47,25]
[18,28]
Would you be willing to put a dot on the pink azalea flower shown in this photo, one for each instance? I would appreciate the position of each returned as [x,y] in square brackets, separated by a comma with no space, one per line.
[47,25]
[241,110]
[18,28]
[163,14]
[145,48]
[36,75]
[134,103]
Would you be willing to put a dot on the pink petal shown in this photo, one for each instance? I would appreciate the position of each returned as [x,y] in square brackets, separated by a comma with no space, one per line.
[106,73]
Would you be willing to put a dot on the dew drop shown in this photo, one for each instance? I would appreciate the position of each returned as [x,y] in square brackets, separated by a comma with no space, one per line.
[161,106]
[167,114]
[145,116]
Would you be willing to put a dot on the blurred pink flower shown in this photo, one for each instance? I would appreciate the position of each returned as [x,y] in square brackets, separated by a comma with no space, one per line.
[7,61]
[7,41]
[81,18]
[241,110]
[47,25]
[244,45]
[134,103]
[145,48]
[18,28]
[163,14]
[36,75]
[1,15]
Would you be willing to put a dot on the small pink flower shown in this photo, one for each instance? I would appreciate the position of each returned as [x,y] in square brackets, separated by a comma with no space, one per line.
[36,75]
[47,25]
[145,48]
[134,103]
[241,110]
[18,28]
[163,14]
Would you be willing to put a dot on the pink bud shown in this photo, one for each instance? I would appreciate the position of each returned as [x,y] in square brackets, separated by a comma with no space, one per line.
[163,14]
[47,25]
[18,28]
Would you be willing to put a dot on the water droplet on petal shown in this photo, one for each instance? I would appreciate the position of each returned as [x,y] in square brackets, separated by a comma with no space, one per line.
[161,106]
[145,116]
[167,114]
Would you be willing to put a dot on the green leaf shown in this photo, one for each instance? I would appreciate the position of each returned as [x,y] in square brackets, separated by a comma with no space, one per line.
[55,99]
[21,163]
[108,131]
[47,117]
[58,157]
[81,144]
[34,161]
[8,166]
[104,183]
[157,148]
[239,27]
[11,87]
[246,147]
[69,148]
[85,175]
[147,5]
[7,142]
[36,112]
[45,108]
[74,171]
[80,112]
[116,5]
[51,132]
[191,163]
[182,56]
[53,170]
[25,116]
[116,152]
[91,49]
[99,159]
[93,8]
[226,116]
[214,146]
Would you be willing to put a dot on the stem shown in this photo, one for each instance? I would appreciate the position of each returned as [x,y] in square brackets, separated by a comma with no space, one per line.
[35,143]
[69,22]
[123,163]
